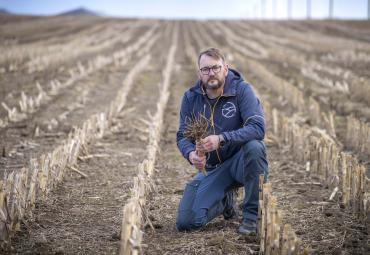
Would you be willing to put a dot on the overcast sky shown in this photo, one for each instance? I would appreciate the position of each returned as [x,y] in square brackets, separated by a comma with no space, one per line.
[198,9]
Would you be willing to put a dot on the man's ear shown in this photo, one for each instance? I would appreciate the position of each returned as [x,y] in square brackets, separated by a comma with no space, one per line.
[199,76]
[226,68]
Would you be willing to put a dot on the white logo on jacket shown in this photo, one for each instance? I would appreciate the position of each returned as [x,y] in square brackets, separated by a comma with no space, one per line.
[228,110]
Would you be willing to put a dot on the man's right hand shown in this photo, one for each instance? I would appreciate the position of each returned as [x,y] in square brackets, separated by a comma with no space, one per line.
[198,162]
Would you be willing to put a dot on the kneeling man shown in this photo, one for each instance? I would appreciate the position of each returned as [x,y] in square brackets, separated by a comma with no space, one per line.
[234,154]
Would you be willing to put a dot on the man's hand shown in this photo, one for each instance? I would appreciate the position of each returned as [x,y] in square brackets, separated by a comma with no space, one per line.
[198,161]
[210,143]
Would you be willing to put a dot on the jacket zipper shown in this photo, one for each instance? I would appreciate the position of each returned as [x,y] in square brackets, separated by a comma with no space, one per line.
[213,123]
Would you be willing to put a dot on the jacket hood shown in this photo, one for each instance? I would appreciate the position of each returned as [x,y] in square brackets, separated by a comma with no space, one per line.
[233,78]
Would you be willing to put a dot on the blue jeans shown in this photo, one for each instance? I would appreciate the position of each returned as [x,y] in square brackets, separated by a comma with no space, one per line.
[206,197]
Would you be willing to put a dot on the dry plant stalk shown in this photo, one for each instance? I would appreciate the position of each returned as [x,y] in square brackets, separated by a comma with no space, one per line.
[196,129]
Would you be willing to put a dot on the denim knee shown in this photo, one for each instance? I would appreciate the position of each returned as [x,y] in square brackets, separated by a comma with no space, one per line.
[186,218]
[255,158]
[254,149]
[187,221]
[184,221]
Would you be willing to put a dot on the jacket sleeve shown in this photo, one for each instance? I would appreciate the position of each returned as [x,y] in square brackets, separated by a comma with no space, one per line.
[252,116]
[184,144]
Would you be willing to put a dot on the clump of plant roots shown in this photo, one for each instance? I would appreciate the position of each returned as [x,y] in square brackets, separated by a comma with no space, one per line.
[196,128]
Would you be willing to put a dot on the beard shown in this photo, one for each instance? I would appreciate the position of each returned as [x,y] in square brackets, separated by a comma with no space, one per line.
[213,83]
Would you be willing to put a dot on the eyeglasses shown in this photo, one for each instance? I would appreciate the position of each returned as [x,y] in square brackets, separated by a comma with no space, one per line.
[206,70]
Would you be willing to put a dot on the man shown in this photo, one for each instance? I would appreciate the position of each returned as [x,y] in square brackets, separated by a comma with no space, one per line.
[235,155]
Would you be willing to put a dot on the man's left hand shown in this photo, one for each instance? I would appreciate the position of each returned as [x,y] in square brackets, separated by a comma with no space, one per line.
[210,143]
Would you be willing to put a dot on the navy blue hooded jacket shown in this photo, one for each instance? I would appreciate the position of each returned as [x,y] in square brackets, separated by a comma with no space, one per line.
[237,115]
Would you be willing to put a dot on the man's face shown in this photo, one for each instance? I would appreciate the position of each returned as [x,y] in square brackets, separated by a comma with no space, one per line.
[212,72]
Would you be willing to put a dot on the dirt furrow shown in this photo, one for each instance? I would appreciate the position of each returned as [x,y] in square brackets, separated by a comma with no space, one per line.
[56,120]
[324,226]
[306,206]
[354,33]
[13,84]
[339,83]
[87,211]
[8,19]
[311,34]
[106,37]
[314,65]
[36,30]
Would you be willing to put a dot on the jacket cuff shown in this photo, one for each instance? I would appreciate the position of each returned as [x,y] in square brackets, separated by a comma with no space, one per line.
[226,136]
[187,153]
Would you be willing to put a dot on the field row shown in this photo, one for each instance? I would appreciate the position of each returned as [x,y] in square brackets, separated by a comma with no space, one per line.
[20,190]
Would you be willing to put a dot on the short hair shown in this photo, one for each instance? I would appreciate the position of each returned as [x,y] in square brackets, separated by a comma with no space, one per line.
[212,52]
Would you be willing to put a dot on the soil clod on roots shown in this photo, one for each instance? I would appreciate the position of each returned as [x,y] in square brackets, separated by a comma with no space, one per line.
[196,129]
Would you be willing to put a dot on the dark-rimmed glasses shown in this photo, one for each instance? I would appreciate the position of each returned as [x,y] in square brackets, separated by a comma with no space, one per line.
[205,70]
